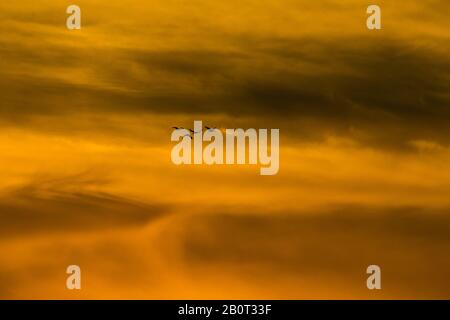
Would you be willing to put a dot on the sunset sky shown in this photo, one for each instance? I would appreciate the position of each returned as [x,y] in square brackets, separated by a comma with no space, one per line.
[86,176]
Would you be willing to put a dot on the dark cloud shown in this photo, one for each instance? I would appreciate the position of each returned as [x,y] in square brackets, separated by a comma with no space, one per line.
[410,244]
[365,84]
[62,205]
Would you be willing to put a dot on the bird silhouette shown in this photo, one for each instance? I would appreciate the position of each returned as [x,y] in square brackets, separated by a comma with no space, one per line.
[187,135]
[210,129]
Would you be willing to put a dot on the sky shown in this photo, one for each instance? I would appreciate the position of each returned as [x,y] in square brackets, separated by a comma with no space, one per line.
[86,176]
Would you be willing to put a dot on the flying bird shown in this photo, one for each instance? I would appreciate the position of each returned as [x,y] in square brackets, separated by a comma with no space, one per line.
[210,129]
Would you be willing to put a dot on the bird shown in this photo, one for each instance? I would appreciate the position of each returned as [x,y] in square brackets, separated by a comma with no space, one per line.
[210,129]
[187,135]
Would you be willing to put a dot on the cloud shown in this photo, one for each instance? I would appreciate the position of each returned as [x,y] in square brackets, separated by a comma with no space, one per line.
[364,85]
[364,121]
[69,204]
[383,89]
[323,254]
[333,245]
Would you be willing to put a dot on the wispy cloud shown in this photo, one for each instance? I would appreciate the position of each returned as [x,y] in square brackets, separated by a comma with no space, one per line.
[85,122]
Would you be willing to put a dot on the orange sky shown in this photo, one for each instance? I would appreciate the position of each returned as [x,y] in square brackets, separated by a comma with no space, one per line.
[85,124]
